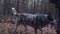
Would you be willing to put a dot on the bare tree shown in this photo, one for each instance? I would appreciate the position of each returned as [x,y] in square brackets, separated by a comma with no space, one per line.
[6,7]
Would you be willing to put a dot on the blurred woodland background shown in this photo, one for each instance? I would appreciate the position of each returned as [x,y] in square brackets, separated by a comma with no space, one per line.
[28,6]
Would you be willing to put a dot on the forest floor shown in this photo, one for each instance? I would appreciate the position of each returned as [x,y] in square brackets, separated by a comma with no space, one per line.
[7,26]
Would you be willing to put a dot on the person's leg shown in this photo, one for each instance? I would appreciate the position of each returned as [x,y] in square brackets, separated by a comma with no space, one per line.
[58,22]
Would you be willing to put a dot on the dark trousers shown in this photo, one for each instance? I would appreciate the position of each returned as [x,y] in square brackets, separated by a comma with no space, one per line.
[58,22]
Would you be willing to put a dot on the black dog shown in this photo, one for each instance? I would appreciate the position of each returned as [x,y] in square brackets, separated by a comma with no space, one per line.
[34,20]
